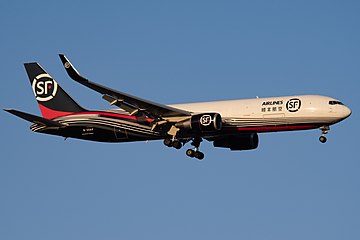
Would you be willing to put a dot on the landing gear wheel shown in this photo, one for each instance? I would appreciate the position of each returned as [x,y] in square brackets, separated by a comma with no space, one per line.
[199,155]
[190,153]
[176,144]
[195,152]
[324,130]
[168,142]
[322,139]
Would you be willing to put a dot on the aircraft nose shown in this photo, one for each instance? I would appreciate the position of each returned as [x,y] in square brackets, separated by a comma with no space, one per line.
[346,111]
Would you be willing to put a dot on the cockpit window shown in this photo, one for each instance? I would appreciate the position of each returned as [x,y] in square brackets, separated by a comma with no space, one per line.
[335,103]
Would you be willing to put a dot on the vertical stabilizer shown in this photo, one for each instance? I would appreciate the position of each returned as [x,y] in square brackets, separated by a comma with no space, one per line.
[52,99]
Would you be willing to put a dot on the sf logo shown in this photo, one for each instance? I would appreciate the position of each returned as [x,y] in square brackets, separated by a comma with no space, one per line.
[205,120]
[293,105]
[44,87]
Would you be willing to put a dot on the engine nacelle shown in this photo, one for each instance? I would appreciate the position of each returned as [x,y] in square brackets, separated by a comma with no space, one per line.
[245,141]
[205,122]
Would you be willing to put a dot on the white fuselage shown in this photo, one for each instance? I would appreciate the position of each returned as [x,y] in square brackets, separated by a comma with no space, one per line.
[269,114]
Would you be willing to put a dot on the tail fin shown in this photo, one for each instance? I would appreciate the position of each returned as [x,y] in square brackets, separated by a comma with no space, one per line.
[52,99]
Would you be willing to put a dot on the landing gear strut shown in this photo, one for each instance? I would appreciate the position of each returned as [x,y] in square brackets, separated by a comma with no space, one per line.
[324,130]
[195,152]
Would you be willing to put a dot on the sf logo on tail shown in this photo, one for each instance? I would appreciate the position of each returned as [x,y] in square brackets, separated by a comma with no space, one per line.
[44,87]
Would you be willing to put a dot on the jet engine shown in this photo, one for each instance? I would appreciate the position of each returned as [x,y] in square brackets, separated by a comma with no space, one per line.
[246,141]
[205,122]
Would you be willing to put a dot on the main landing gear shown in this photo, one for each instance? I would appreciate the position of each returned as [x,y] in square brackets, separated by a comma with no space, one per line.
[324,130]
[193,153]
[173,143]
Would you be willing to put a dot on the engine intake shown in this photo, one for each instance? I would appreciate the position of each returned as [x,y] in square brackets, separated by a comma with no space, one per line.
[246,141]
[205,122]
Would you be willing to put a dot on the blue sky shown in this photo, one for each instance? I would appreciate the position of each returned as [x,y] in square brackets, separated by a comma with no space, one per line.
[291,187]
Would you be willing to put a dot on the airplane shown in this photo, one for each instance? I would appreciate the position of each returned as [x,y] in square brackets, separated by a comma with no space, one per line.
[231,124]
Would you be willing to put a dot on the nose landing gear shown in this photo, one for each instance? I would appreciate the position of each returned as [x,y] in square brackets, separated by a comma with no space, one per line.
[324,130]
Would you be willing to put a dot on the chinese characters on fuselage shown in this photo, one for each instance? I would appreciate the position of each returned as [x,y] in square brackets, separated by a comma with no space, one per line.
[272,106]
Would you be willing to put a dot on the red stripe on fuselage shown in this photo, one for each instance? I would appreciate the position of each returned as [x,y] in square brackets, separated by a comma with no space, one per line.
[272,128]
[115,115]
[109,114]
[51,114]
[105,114]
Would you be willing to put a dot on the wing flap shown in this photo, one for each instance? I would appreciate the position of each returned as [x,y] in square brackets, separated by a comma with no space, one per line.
[119,103]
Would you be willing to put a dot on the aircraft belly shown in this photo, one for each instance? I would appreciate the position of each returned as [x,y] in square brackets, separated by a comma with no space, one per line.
[275,122]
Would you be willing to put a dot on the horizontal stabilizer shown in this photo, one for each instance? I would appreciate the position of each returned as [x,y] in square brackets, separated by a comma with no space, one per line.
[35,119]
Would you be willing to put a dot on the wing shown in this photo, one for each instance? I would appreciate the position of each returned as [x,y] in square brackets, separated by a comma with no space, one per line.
[132,104]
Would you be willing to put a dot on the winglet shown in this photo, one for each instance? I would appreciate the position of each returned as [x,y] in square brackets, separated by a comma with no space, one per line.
[35,119]
[75,75]
[71,70]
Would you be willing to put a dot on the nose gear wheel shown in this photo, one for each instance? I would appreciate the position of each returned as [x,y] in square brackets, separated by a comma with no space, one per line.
[324,130]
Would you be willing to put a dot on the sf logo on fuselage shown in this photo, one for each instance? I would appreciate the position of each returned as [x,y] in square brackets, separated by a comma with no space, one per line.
[44,87]
[205,120]
[293,105]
